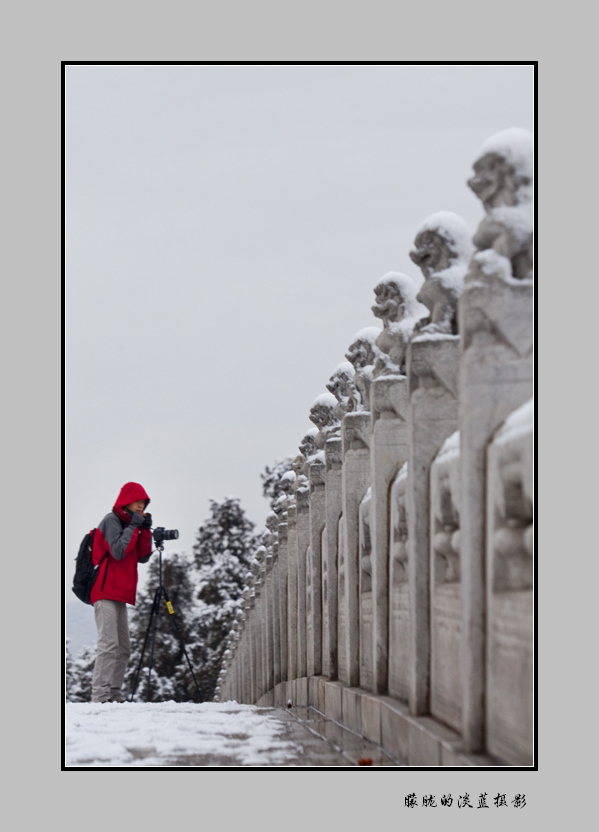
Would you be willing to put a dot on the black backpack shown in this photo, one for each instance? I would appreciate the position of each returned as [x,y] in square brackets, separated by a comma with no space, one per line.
[85,571]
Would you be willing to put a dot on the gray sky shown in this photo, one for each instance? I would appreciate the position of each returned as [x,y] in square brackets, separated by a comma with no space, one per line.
[225,227]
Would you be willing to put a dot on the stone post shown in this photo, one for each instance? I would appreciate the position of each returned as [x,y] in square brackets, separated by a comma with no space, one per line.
[302,496]
[355,482]
[317,523]
[496,373]
[252,643]
[388,452]
[255,630]
[243,659]
[247,646]
[333,508]
[443,249]
[362,354]
[271,540]
[399,309]
[292,620]
[264,626]
[324,414]
[283,598]
[269,620]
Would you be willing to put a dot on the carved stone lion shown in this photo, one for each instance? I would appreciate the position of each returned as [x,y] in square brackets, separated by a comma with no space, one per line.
[322,414]
[340,385]
[307,446]
[362,353]
[399,309]
[503,181]
[442,250]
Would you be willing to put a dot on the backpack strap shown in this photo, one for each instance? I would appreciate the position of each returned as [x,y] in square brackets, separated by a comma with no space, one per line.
[102,559]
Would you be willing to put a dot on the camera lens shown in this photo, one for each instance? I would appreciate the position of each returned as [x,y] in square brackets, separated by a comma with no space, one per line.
[161,534]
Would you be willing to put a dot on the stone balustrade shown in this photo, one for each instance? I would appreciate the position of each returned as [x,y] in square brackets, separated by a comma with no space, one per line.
[394,587]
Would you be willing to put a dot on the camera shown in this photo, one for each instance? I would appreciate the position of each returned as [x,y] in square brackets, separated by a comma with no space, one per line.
[161,534]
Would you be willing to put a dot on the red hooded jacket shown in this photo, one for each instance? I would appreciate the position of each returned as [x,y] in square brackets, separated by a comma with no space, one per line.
[126,544]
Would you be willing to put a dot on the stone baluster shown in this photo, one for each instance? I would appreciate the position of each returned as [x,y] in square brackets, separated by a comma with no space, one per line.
[333,510]
[283,577]
[341,384]
[323,415]
[366,642]
[442,250]
[272,541]
[269,620]
[510,600]
[256,648]
[317,482]
[302,499]
[292,619]
[398,308]
[496,372]
[355,435]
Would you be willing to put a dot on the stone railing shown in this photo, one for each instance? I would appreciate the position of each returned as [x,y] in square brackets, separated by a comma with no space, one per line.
[394,587]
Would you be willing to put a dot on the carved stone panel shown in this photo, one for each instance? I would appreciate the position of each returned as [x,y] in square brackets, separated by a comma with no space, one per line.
[510,602]
[366,594]
[399,602]
[326,659]
[342,641]
[446,603]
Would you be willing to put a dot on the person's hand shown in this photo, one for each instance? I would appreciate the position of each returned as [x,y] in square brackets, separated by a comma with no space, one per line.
[137,520]
[147,523]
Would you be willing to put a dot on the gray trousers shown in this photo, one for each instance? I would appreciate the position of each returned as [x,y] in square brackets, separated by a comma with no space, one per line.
[112,652]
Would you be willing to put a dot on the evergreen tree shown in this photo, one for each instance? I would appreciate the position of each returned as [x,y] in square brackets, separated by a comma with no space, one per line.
[224,548]
[170,677]
[271,479]
[68,672]
[82,668]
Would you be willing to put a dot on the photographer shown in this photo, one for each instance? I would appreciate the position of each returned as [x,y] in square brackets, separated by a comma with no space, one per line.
[125,535]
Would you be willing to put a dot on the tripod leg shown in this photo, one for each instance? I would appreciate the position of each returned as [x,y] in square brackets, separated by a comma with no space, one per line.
[153,614]
[153,641]
[169,607]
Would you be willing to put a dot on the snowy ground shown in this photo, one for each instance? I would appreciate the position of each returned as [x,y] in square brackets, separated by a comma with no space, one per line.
[135,734]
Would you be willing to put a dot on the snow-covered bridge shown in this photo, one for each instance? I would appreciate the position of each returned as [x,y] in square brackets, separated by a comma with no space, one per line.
[394,592]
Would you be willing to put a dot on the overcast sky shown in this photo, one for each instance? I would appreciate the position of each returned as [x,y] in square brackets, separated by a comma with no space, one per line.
[225,226]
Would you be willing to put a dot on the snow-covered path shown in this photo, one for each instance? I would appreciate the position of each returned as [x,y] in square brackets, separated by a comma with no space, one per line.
[162,734]
[211,735]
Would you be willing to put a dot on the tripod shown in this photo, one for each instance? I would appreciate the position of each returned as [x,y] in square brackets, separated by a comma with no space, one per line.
[151,630]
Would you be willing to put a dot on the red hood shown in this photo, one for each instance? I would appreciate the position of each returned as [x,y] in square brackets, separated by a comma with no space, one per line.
[129,493]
